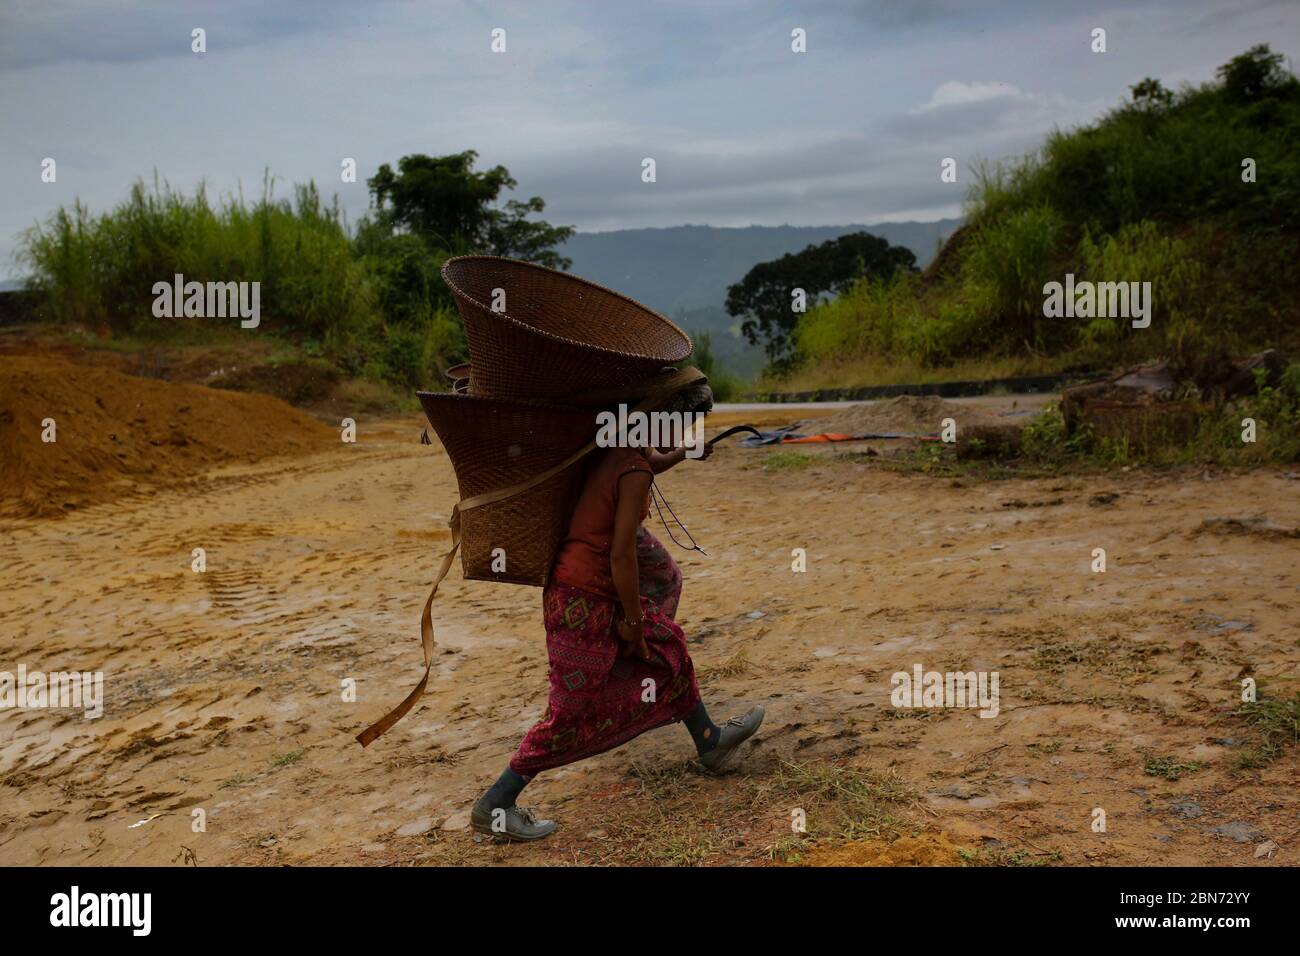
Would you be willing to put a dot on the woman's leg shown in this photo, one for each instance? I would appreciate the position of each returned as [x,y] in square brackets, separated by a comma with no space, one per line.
[703,731]
[496,813]
[716,745]
[661,583]
[506,790]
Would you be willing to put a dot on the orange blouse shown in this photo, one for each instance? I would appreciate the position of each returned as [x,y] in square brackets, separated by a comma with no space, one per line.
[583,558]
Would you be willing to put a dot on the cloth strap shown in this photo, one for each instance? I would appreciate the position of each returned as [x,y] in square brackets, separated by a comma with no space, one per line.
[653,391]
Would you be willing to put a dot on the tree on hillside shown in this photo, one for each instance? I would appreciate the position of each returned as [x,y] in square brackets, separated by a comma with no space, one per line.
[1150,93]
[1257,73]
[429,209]
[765,297]
[449,205]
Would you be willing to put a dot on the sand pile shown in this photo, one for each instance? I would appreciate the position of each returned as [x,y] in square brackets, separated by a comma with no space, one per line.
[906,413]
[116,433]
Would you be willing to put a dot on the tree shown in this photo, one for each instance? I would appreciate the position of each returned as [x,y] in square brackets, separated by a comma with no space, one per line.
[765,296]
[1150,93]
[449,205]
[1254,74]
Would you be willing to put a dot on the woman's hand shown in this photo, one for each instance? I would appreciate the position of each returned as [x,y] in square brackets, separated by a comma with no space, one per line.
[661,461]
[632,634]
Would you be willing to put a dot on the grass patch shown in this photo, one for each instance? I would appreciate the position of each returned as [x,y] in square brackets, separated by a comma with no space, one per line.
[674,814]
[1171,768]
[1004,856]
[1119,657]
[786,461]
[734,666]
[1046,748]
[661,782]
[841,803]
[871,369]
[937,461]
[287,759]
[1276,724]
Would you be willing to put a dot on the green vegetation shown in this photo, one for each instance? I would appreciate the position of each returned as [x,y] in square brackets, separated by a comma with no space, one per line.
[787,461]
[371,302]
[1276,723]
[1156,191]
[102,269]
[1004,856]
[1208,433]
[772,295]
[1171,768]
[287,759]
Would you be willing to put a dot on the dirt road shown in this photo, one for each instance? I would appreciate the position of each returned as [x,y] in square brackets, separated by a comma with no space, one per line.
[224,690]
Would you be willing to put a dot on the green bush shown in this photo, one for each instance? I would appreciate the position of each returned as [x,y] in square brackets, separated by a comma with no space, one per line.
[1175,157]
[1006,264]
[1275,409]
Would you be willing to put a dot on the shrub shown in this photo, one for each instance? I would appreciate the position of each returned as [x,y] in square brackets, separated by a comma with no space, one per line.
[1006,264]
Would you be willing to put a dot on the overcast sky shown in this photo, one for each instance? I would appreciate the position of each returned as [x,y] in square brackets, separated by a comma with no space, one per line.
[743,130]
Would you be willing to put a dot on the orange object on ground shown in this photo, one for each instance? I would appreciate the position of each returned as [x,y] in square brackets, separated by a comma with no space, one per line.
[824,436]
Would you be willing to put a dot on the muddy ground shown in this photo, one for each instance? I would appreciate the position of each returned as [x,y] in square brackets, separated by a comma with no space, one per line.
[224,688]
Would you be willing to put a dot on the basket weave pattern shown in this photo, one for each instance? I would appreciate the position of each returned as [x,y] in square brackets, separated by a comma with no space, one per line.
[558,335]
[494,443]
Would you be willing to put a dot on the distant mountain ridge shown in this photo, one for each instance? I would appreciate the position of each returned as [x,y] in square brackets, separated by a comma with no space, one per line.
[684,271]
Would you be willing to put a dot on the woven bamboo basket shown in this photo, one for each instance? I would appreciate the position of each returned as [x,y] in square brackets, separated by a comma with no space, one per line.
[497,443]
[557,335]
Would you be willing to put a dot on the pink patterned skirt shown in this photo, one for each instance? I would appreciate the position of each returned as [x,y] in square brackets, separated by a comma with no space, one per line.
[598,699]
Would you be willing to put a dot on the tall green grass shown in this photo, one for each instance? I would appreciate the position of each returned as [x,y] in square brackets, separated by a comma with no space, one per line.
[103,268]
[373,303]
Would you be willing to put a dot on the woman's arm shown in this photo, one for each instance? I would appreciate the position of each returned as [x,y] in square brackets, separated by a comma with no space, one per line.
[662,461]
[633,488]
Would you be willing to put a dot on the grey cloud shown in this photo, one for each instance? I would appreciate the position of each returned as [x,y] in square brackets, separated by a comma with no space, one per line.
[59,31]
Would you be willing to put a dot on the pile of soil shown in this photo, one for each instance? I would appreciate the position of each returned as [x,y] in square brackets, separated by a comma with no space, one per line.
[116,432]
[907,413]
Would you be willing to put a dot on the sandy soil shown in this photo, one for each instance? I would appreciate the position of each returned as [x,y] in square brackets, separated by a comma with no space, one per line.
[223,688]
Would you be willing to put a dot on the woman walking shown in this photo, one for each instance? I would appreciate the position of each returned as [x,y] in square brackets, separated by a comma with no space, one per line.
[618,660]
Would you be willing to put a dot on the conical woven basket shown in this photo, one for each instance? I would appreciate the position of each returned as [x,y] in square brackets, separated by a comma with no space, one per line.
[496,443]
[556,335]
